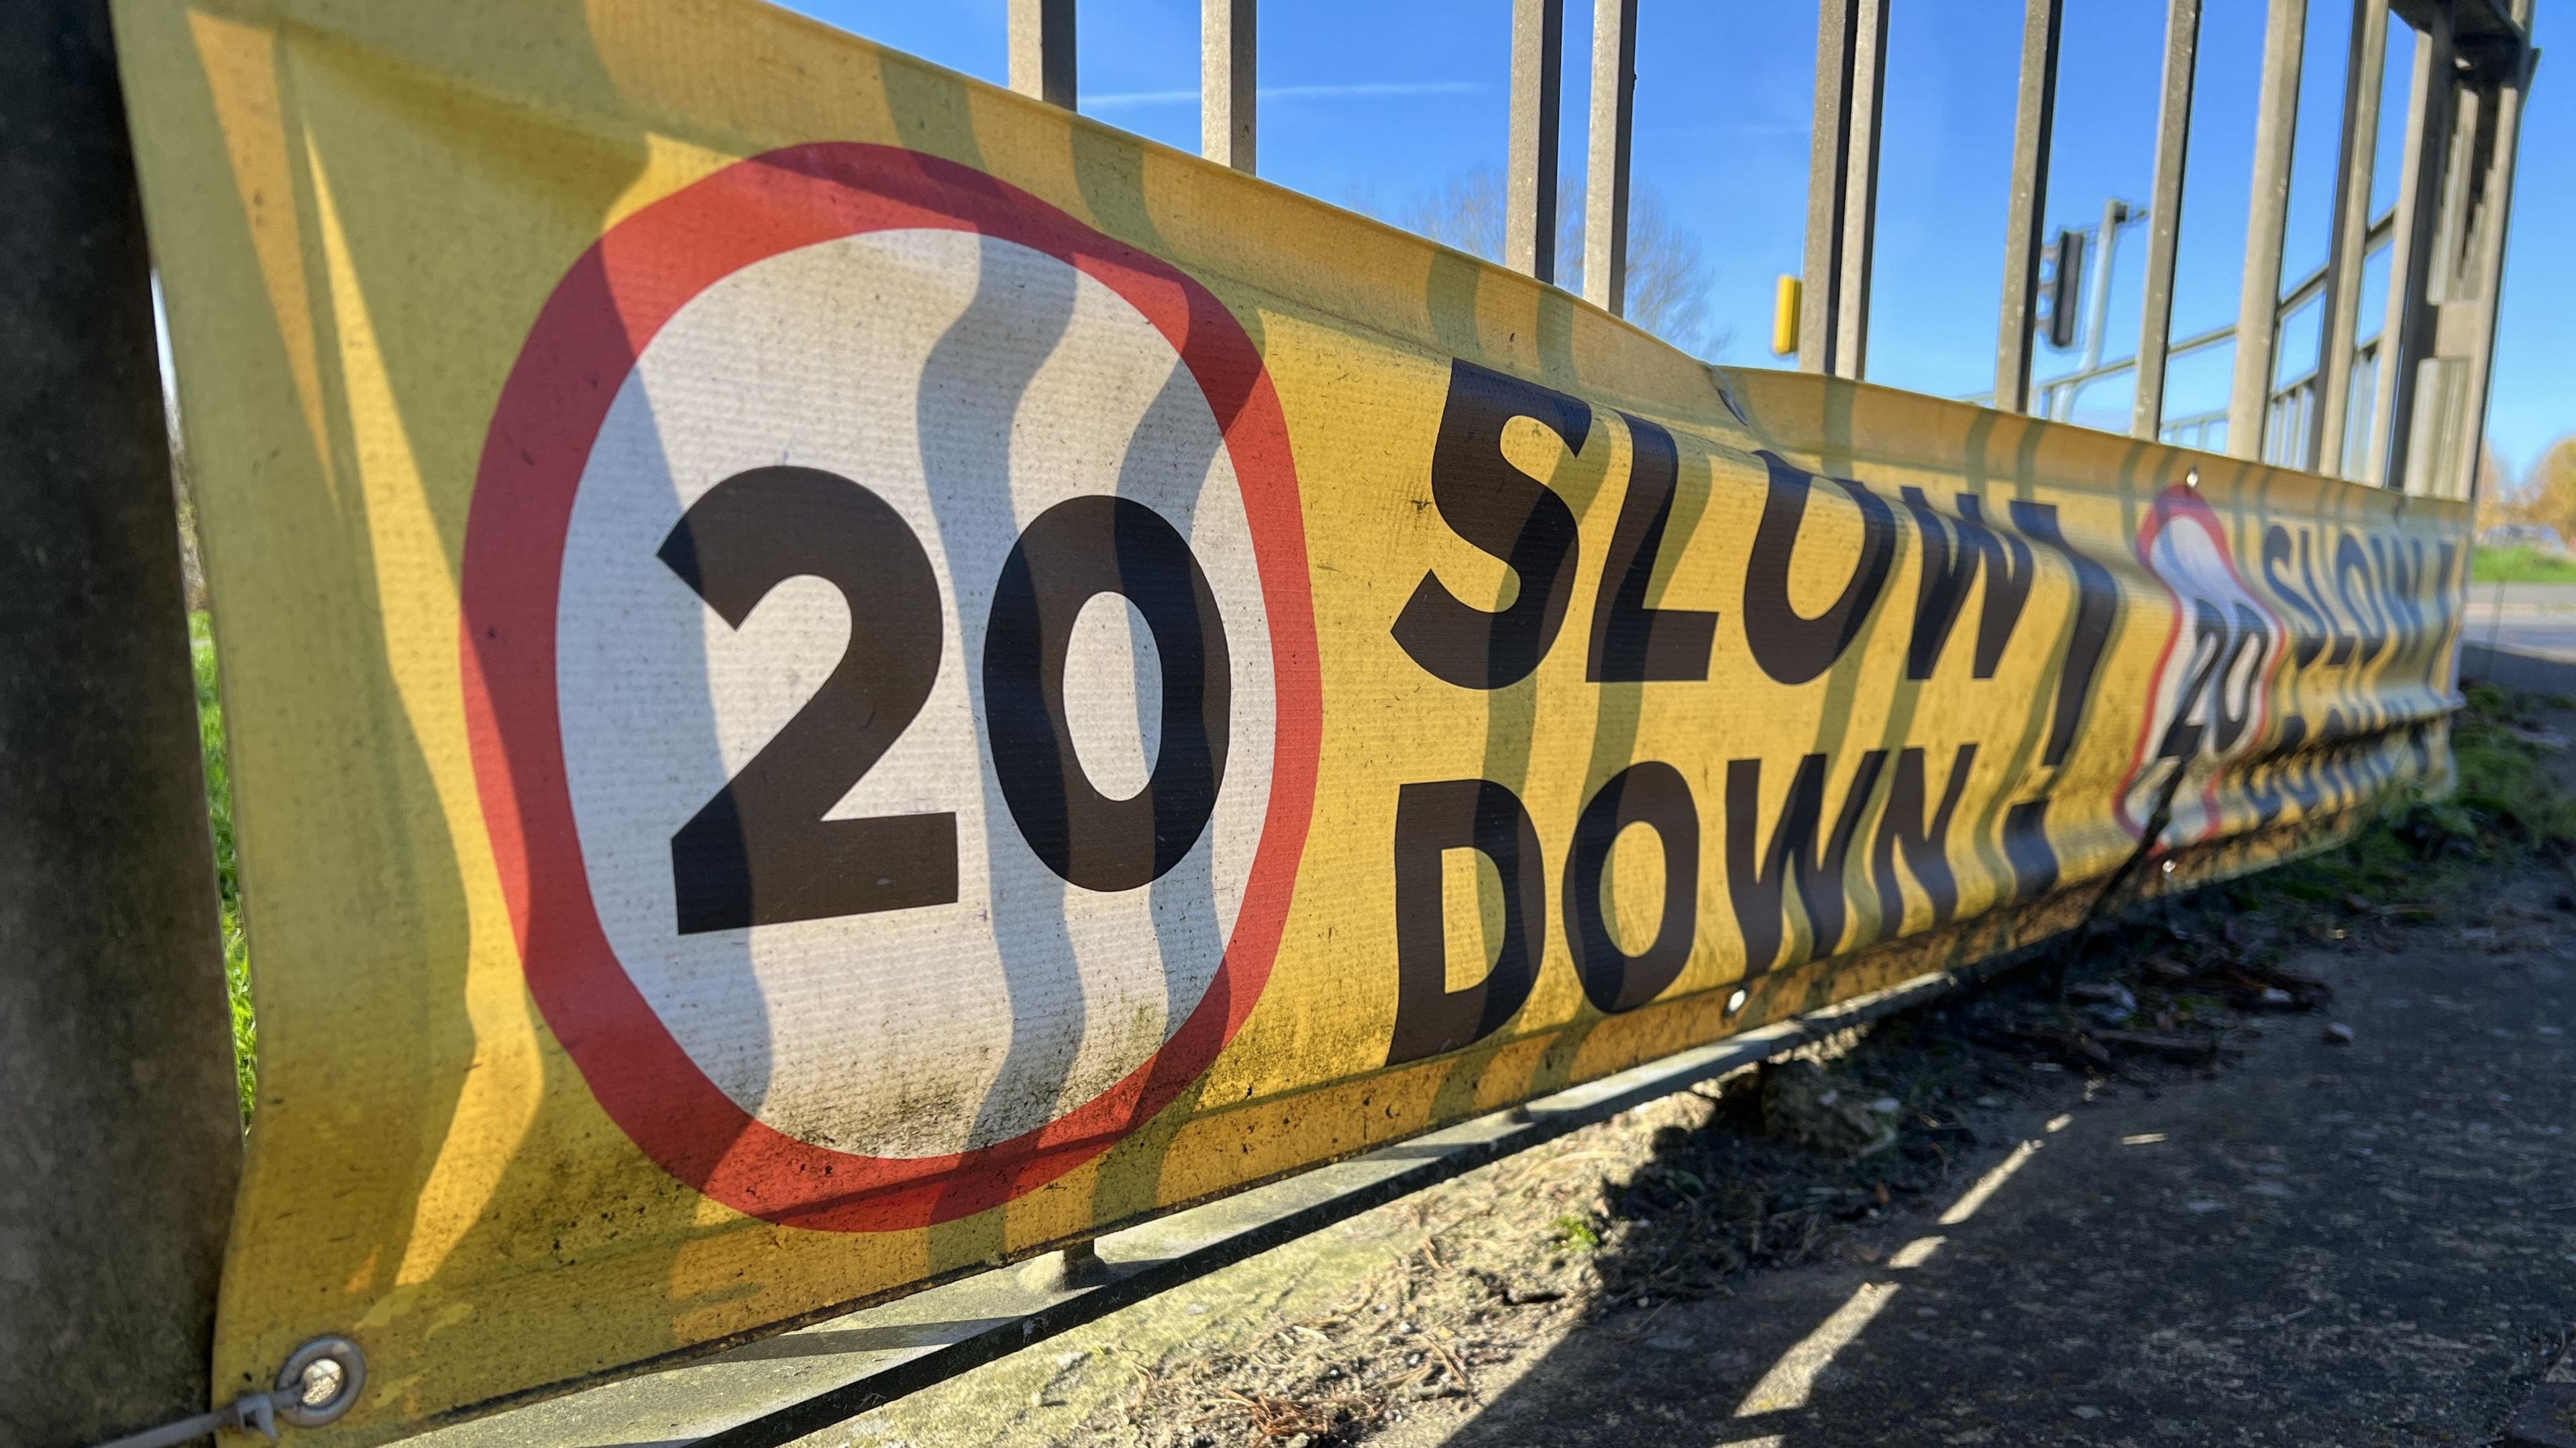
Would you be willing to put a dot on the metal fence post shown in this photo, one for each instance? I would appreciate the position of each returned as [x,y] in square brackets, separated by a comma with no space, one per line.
[2025,234]
[1538,68]
[121,1144]
[1828,153]
[1614,115]
[2406,338]
[1041,41]
[2267,218]
[1842,185]
[2366,62]
[2164,215]
[1229,90]
[2479,289]
[1860,200]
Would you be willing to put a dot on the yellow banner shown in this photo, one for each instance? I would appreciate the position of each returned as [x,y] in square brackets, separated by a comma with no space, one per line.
[836,675]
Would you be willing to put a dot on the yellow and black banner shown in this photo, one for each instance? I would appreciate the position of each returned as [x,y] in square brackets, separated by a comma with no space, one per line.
[836,675]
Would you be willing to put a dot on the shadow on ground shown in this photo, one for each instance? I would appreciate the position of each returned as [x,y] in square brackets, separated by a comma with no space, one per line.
[2327,1244]
[2361,1232]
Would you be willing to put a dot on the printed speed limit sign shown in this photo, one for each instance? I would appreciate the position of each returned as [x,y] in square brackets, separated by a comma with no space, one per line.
[887,601]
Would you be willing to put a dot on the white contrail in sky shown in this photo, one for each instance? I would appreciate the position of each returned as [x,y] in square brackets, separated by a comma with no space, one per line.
[1118,100]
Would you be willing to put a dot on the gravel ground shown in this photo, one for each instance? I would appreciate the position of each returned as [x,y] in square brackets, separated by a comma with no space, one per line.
[2291,1161]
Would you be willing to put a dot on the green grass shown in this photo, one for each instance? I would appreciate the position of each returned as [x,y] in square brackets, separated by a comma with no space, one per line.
[219,802]
[2522,564]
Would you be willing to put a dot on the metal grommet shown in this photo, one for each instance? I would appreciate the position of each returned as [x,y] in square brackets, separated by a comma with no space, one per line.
[320,1382]
[1736,1001]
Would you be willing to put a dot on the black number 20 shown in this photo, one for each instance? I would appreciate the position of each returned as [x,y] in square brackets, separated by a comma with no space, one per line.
[760,851]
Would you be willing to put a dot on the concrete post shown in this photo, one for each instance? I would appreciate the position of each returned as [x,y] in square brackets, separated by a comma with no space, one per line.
[120,1142]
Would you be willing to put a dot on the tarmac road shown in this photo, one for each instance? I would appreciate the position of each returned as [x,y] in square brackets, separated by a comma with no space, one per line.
[2534,619]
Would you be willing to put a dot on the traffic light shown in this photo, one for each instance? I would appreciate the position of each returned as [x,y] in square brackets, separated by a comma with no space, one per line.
[2061,290]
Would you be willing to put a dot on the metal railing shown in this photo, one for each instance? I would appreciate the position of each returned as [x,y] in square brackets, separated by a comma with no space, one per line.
[2292,422]
[2403,407]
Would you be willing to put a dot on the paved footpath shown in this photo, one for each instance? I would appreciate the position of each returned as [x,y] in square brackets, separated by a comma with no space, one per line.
[2371,1243]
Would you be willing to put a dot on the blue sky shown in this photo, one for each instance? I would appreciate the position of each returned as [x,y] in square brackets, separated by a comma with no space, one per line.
[1377,102]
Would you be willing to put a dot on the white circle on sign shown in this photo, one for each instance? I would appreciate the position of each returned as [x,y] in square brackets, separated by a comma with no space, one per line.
[971,384]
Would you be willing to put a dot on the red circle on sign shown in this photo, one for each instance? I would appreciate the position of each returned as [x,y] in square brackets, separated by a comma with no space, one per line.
[586,341]
[2179,503]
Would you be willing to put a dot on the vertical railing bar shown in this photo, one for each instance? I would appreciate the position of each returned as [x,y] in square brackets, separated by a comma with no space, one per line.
[2459,190]
[2164,214]
[2025,232]
[1860,191]
[1538,66]
[1828,157]
[1041,45]
[2403,338]
[2258,316]
[2356,422]
[1229,83]
[2401,249]
[1613,127]
[2497,192]
[2365,65]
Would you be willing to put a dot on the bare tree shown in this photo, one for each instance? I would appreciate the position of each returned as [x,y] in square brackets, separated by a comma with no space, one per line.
[1467,213]
[1668,274]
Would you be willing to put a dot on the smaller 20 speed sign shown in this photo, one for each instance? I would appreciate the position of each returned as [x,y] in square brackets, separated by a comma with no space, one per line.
[888,642]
